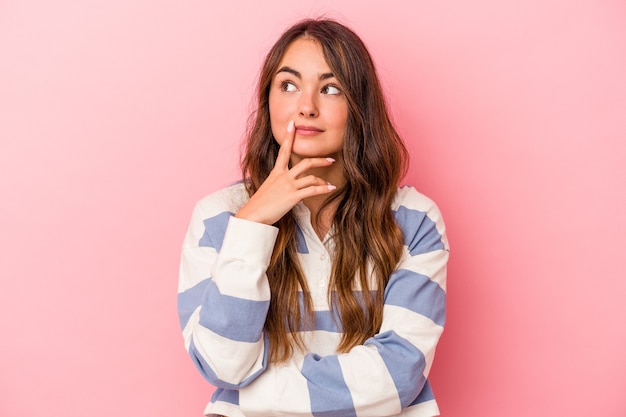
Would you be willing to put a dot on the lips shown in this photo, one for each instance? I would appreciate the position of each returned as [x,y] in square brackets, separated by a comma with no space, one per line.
[308,130]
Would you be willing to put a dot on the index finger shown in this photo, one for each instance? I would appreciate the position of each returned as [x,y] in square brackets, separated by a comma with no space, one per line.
[284,152]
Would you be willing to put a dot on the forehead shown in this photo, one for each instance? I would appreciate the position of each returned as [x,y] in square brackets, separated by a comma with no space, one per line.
[304,53]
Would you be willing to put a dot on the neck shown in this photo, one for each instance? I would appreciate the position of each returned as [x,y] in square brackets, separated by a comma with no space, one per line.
[322,219]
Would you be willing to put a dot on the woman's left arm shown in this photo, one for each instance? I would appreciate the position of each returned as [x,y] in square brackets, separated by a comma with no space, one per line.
[388,373]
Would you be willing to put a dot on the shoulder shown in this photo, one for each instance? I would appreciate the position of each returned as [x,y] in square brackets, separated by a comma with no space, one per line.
[228,199]
[211,215]
[409,198]
[419,217]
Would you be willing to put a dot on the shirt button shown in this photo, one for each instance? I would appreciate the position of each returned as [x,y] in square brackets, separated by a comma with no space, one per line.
[322,283]
[322,257]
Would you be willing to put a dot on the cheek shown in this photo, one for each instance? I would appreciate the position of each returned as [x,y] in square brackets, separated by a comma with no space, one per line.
[340,117]
[279,105]
[280,115]
[276,118]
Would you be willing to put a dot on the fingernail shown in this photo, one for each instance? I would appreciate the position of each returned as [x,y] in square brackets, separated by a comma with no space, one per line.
[330,159]
[331,187]
[290,126]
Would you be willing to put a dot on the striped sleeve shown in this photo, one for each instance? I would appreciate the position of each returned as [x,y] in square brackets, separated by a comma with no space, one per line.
[223,294]
[388,373]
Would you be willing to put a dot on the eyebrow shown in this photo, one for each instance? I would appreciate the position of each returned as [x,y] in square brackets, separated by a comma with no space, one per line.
[323,77]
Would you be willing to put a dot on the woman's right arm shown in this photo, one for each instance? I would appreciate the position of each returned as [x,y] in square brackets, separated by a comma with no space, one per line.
[223,293]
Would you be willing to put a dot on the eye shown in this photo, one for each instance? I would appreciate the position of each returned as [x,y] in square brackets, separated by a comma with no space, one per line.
[331,89]
[288,86]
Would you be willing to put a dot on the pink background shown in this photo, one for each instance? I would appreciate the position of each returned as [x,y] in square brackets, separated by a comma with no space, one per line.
[117,115]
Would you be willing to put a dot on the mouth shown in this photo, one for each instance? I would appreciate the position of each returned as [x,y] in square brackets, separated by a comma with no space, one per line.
[308,130]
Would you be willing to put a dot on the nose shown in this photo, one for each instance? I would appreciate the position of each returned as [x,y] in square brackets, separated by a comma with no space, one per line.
[307,104]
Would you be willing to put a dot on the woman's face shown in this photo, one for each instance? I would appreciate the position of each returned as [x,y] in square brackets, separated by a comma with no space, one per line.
[305,90]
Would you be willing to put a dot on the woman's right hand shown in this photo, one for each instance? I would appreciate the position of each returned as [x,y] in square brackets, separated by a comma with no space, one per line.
[285,187]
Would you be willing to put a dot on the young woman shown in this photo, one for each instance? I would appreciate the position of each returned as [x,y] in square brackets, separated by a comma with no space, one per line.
[316,286]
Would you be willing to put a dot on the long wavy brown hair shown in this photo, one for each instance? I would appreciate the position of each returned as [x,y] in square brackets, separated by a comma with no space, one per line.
[368,242]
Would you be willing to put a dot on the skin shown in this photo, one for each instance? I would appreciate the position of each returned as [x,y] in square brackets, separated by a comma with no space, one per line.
[304,90]
[308,115]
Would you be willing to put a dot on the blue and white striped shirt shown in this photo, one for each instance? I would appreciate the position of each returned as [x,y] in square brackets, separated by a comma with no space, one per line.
[223,299]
